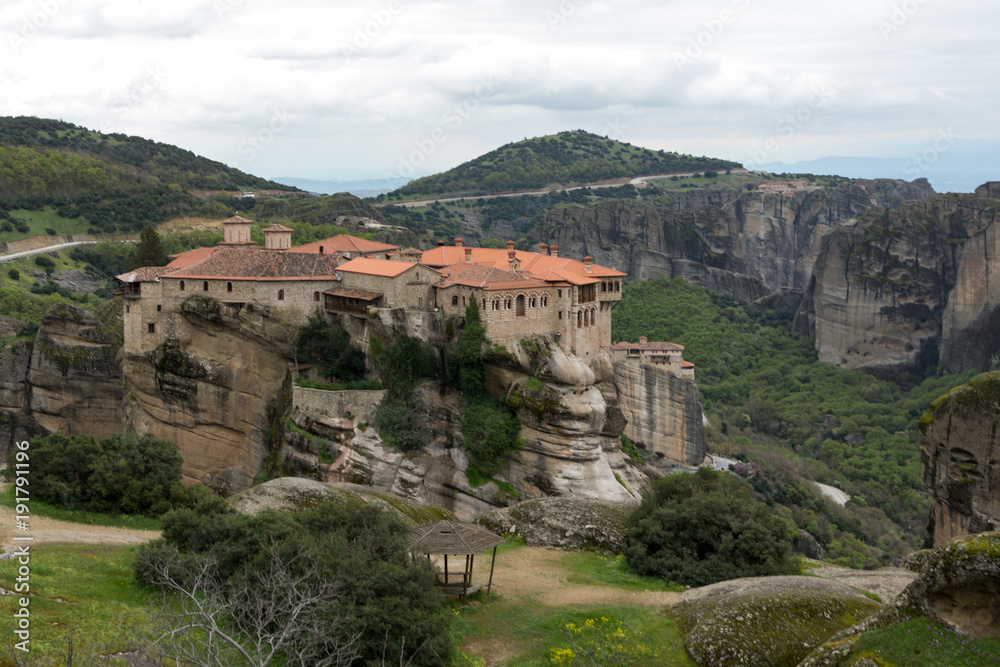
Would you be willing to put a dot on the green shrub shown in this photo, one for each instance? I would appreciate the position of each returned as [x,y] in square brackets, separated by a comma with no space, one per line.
[122,474]
[14,274]
[697,529]
[383,595]
[329,347]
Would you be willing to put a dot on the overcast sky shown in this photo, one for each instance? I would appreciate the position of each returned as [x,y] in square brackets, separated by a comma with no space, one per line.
[367,89]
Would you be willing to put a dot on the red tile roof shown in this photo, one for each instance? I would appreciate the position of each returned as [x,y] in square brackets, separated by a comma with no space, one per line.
[488,278]
[687,364]
[260,264]
[190,257]
[533,264]
[237,220]
[278,228]
[376,267]
[145,274]
[344,243]
[349,293]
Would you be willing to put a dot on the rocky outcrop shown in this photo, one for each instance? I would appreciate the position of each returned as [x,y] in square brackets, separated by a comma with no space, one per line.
[290,494]
[663,411]
[571,428]
[216,390]
[74,382]
[564,523]
[896,292]
[959,453]
[743,244]
[65,382]
[766,621]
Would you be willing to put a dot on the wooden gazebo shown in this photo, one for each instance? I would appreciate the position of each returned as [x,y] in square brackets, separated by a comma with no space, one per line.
[451,538]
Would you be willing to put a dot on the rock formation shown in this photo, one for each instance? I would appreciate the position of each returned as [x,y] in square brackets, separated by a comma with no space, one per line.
[663,411]
[743,244]
[215,391]
[896,292]
[959,453]
[66,382]
[564,523]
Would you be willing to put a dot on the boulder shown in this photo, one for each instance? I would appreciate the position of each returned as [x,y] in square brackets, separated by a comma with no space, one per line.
[564,523]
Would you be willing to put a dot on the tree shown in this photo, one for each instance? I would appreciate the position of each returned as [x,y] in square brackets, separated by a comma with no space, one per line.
[149,251]
[700,528]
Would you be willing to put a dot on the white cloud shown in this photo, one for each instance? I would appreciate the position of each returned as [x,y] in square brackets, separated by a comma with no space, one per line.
[366,80]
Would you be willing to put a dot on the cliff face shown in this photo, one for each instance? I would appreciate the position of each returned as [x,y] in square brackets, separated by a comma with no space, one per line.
[215,390]
[67,382]
[959,453]
[744,244]
[663,411]
[570,425]
[898,291]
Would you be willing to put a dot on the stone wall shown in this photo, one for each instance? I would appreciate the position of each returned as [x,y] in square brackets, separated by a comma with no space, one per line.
[413,290]
[338,404]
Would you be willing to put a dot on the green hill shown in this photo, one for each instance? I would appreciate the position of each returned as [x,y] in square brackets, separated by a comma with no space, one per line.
[567,158]
[103,182]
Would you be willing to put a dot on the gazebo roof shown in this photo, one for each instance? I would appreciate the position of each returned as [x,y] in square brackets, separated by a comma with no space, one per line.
[451,537]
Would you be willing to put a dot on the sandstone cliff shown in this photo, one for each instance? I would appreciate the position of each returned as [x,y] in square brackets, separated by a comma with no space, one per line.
[744,244]
[959,453]
[570,424]
[663,411]
[896,292]
[215,390]
[66,382]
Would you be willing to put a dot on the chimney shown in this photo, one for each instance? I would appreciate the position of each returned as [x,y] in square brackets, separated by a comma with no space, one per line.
[587,263]
[440,244]
[388,255]
[543,248]
[321,251]
[554,250]
[468,255]
[458,242]
[510,245]
[513,264]
[643,340]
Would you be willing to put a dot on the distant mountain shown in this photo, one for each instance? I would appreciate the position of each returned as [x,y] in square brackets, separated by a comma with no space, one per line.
[371,187]
[947,171]
[567,158]
[112,182]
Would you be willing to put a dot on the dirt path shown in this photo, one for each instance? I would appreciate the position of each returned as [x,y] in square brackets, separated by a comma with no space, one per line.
[51,531]
[538,574]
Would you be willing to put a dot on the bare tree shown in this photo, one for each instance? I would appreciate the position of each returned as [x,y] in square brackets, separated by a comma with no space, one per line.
[278,613]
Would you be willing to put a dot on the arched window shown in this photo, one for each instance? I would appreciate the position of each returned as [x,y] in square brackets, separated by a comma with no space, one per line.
[545,301]
[586,318]
[593,317]
[496,304]
[182,285]
[454,300]
[463,301]
[229,287]
[281,295]
[204,286]
[484,303]
[579,319]
[520,305]
[315,296]
[507,304]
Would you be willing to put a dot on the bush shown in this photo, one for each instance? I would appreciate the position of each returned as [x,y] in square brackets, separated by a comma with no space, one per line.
[329,347]
[44,261]
[14,274]
[123,474]
[382,595]
[707,527]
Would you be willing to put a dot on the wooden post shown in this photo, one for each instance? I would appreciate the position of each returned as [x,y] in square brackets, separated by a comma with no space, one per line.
[465,580]
[489,587]
[446,568]
[472,566]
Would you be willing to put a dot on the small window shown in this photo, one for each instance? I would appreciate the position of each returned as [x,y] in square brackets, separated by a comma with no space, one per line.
[604,287]
[127,309]
[281,295]
[229,287]
[159,307]
[182,285]
[484,304]
[151,327]
[204,286]
[560,293]
[454,300]
[545,301]
[315,296]
[618,287]
[560,314]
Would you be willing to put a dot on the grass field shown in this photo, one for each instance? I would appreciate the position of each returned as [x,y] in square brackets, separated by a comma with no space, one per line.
[81,591]
[39,221]
[41,508]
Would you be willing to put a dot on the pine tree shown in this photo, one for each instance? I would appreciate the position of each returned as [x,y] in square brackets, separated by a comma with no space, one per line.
[149,251]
